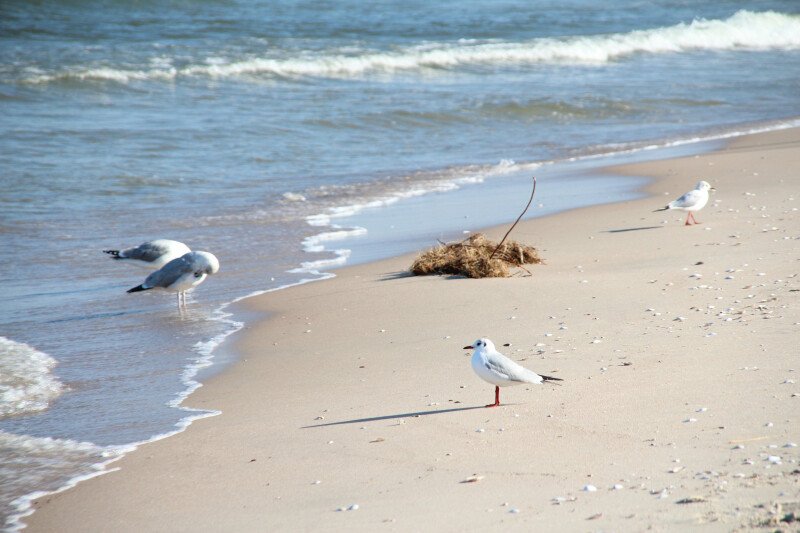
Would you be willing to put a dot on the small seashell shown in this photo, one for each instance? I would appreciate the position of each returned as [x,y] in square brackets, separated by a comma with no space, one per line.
[589,488]
[774,459]
[617,486]
[513,510]
[479,430]
[472,479]
[353,507]
[790,445]
[702,410]
[690,420]
[675,470]
[317,482]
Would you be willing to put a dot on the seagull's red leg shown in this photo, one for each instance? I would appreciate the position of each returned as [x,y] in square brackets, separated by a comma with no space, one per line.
[694,219]
[687,219]
[496,397]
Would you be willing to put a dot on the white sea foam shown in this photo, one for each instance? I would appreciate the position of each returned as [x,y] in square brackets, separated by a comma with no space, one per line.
[26,380]
[611,150]
[294,197]
[436,182]
[314,243]
[745,30]
[40,466]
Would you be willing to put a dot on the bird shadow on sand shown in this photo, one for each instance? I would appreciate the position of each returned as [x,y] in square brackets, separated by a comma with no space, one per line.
[397,416]
[624,230]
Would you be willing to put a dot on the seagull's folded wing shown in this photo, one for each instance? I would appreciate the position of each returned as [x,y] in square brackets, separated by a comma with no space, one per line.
[508,369]
[145,252]
[688,200]
[169,273]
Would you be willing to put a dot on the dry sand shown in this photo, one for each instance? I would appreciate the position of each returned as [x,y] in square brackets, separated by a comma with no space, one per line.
[678,347]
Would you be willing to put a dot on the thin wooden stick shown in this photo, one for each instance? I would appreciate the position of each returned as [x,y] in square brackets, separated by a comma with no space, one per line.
[516,221]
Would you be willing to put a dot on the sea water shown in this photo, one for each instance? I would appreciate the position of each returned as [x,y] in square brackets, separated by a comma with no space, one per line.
[291,137]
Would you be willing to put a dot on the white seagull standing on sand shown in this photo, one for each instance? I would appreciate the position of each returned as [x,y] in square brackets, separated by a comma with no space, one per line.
[499,370]
[181,274]
[151,254]
[691,201]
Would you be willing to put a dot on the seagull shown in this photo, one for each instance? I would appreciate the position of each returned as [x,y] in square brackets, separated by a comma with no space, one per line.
[499,370]
[151,254]
[692,201]
[181,274]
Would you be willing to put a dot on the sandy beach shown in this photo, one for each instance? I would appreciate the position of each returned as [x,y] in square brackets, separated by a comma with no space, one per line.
[678,347]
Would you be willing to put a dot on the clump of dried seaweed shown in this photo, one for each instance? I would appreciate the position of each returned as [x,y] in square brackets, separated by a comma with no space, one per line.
[475,257]
[478,257]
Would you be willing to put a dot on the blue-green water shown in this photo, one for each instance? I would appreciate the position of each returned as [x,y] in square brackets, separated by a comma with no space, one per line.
[251,128]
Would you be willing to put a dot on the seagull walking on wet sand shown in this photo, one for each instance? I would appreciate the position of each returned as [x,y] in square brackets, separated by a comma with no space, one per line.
[499,370]
[692,201]
[181,275]
[151,254]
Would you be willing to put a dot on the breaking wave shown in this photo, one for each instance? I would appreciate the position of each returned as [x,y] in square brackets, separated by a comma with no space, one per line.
[745,30]
[26,382]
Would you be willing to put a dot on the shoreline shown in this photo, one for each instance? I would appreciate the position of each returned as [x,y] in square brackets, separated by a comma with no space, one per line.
[200,397]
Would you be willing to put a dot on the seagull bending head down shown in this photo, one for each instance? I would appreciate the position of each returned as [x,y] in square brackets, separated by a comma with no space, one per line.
[181,274]
[151,254]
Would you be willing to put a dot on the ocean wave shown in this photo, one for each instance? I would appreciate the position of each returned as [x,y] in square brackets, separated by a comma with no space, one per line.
[26,382]
[35,466]
[745,30]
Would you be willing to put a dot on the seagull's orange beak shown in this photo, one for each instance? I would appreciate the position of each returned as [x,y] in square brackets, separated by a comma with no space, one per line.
[468,348]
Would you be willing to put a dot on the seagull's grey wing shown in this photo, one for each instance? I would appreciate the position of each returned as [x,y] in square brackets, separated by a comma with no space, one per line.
[145,252]
[511,370]
[688,200]
[169,273]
